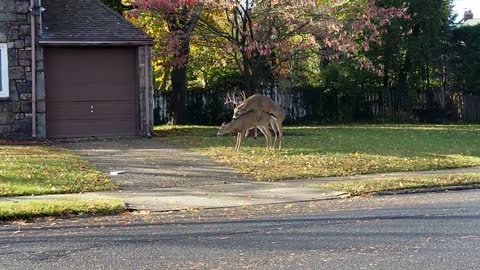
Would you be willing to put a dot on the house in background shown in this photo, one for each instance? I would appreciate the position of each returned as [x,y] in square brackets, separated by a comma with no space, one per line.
[468,19]
[72,68]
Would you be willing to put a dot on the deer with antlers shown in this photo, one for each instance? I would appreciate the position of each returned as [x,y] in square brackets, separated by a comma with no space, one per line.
[260,104]
[243,123]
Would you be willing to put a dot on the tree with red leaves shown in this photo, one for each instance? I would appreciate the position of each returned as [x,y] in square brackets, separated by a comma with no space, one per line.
[264,36]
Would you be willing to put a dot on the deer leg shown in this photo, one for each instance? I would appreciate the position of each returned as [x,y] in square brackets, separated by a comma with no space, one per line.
[241,136]
[248,133]
[267,134]
[280,134]
[237,143]
[273,123]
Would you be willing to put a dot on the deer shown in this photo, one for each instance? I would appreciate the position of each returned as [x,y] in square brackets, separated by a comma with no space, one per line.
[246,121]
[260,104]
[243,123]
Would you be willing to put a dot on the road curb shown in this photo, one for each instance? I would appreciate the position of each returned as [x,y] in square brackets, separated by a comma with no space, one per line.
[428,190]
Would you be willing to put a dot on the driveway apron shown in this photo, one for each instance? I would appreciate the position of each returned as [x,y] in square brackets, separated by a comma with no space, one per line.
[142,164]
[154,176]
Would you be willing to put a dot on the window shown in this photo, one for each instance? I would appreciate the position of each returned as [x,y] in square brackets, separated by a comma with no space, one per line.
[3,71]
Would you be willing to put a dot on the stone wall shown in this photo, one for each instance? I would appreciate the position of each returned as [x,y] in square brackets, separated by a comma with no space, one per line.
[16,110]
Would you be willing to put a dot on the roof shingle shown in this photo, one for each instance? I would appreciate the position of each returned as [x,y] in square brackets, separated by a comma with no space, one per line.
[84,21]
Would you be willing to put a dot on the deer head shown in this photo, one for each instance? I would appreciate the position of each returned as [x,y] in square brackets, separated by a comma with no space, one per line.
[224,129]
[238,103]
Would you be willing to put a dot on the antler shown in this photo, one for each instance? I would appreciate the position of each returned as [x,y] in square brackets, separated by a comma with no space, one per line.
[244,97]
[231,99]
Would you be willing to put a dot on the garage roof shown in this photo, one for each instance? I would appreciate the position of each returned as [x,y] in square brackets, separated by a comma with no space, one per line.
[87,22]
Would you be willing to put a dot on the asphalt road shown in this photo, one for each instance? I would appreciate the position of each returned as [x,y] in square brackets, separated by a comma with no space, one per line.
[424,231]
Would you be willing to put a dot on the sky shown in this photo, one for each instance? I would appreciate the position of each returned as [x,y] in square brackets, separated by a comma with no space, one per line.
[461,5]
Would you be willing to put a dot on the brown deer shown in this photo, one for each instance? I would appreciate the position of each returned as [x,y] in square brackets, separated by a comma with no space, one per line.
[239,101]
[246,121]
[260,104]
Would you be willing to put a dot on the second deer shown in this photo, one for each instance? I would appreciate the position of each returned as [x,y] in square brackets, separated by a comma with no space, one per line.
[247,121]
[260,104]
[243,123]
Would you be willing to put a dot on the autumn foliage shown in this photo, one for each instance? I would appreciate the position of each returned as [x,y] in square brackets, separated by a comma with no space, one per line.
[263,37]
[279,30]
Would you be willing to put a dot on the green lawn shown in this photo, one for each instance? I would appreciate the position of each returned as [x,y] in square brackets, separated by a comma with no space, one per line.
[338,150]
[39,208]
[36,170]
[357,188]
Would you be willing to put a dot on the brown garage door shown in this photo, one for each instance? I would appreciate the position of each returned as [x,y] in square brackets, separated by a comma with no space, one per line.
[90,92]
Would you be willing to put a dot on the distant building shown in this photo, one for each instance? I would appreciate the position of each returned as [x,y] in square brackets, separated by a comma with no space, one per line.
[468,19]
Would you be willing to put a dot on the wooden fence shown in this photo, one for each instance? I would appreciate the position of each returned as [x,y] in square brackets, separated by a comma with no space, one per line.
[313,106]
[205,107]
[470,109]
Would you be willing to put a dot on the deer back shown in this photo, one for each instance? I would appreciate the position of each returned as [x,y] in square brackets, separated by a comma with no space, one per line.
[259,102]
[240,124]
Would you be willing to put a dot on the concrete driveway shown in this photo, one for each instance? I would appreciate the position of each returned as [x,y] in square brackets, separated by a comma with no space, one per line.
[159,177]
[152,163]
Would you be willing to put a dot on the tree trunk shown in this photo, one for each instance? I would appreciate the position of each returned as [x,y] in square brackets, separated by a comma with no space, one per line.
[183,22]
[179,86]
[179,91]
[402,87]
[249,75]
[386,88]
[430,95]
[254,68]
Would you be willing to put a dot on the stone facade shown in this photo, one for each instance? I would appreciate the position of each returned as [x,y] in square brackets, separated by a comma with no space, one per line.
[16,110]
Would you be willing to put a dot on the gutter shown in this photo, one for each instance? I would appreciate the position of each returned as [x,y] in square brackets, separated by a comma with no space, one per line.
[46,42]
[33,67]
[147,91]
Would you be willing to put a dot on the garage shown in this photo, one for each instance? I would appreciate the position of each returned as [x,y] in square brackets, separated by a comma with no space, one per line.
[91,92]
[93,73]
